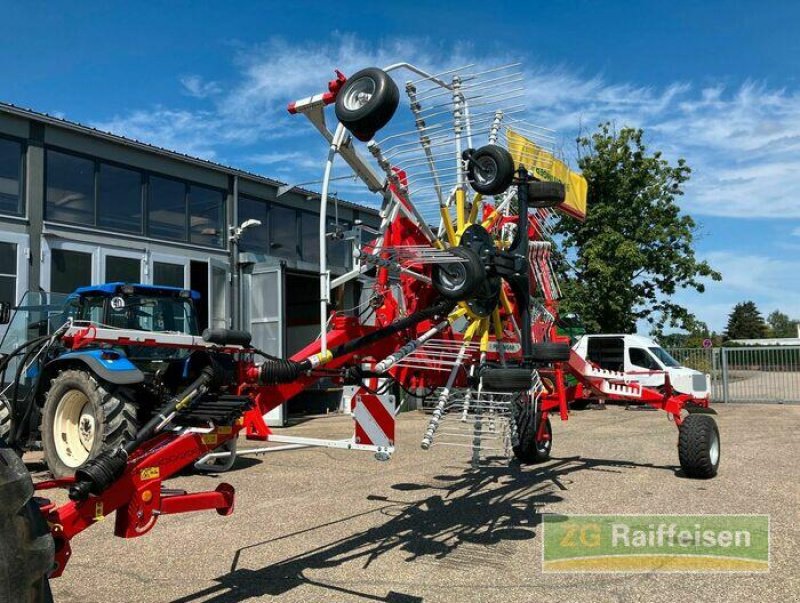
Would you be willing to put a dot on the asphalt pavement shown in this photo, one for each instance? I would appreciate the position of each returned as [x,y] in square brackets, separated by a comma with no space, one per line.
[330,525]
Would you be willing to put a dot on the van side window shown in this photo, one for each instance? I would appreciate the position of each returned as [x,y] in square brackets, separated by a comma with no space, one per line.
[640,358]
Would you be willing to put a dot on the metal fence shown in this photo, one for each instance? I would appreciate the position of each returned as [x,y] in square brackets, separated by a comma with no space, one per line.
[747,374]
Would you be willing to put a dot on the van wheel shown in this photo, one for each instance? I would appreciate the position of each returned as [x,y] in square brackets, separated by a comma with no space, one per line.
[27,550]
[83,417]
[582,404]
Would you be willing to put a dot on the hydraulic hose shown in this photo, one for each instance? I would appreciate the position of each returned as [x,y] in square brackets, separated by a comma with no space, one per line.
[286,371]
[36,346]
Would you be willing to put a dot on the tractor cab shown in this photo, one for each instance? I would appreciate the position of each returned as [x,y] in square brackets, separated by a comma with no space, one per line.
[135,307]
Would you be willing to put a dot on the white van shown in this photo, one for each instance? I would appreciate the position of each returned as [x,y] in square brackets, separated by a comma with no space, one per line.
[642,360]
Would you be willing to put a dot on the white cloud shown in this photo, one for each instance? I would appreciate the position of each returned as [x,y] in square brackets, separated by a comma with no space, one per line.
[743,143]
[196,86]
[768,281]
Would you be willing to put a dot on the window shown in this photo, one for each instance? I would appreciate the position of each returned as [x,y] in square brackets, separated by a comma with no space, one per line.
[8,273]
[640,358]
[70,189]
[340,251]
[147,313]
[168,275]
[166,210]
[10,177]
[310,237]
[69,270]
[283,231]
[122,270]
[664,357]
[119,199]
[253,239]
[206,219]
[91,309]
[219,295]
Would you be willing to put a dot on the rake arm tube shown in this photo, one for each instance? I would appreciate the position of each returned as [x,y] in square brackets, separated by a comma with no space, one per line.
[442,307]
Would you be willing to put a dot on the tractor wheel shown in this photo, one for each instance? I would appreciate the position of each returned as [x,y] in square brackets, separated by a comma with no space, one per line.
[26,547]
[490,170]
[367,102]
[699,446]
[220,464]
[529,450]
[5,417]
[83,417]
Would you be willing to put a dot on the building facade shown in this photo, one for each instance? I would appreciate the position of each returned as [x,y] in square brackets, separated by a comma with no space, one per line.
[79,206]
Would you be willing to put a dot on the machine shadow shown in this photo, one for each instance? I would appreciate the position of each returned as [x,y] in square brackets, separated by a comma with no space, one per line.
[478,509]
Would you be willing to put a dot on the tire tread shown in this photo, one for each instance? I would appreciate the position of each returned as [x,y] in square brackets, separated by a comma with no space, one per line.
[694,439]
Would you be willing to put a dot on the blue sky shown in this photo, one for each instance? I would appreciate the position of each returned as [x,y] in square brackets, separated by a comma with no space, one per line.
[714,82]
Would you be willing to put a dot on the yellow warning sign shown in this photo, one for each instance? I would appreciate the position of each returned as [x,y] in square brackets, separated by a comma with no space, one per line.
[149,473]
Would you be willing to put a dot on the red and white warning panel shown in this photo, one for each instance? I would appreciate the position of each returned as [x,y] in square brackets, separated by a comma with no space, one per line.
[374,419]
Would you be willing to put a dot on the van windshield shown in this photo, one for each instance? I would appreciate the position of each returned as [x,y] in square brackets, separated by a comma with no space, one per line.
[664,357]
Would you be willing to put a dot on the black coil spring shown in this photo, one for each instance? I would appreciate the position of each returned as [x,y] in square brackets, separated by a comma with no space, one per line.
[279,371]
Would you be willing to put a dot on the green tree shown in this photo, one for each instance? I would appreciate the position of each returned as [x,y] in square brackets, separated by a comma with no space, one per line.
[635,249]
[693,339]
[780,325]
[745,322]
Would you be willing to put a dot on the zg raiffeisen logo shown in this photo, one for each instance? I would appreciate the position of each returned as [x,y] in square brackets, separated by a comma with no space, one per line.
[655,543]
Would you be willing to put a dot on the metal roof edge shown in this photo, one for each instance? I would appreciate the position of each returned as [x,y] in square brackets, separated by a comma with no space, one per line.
[74,126]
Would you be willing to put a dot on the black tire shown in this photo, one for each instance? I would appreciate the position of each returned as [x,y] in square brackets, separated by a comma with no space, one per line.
[459,280]
[108,411]
[529,450]
[546,194]
[490,170]
[547,351]
[221,464]
[5,417]
[699,447]
[27,549]
[507,379]
[581,404]
[367,102]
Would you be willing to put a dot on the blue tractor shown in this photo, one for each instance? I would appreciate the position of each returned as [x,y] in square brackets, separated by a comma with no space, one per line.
[73,404]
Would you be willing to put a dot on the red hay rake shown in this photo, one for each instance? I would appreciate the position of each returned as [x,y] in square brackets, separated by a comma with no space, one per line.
[464,310]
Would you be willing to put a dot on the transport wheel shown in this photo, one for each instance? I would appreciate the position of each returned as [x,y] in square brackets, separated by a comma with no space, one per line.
[367,102]
[699,446]
[546,194]
[26,547]
[490,170]
[459,280]
[83,417]
[222,463]
[5,417]
[529,450]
